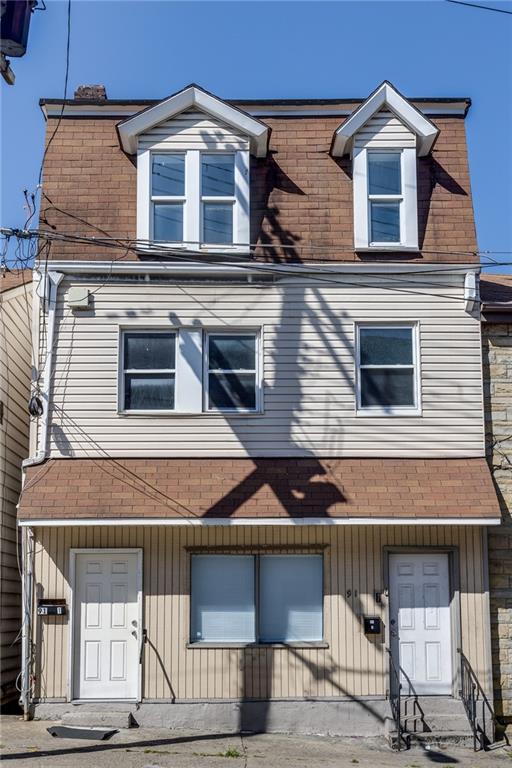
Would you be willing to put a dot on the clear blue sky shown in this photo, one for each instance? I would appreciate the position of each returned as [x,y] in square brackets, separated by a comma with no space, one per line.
[242,49]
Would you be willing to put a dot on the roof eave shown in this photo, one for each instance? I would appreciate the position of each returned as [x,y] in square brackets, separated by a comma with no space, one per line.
[192,96]
[386,95]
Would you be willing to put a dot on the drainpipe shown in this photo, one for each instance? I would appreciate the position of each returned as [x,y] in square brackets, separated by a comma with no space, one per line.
[27,591]
[54,279]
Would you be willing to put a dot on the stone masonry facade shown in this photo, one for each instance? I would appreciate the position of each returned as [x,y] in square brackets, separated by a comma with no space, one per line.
[497,369]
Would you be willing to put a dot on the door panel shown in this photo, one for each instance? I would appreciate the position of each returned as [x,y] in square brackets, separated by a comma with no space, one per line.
[106,631]
[420,623]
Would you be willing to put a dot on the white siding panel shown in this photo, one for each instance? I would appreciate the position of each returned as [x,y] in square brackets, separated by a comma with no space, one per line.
[193,130]
[15,372]
[308,368]
[384,130]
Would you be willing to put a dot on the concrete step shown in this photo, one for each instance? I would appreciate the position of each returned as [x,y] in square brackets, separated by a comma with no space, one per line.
[98,718]
[436,723]
[438,740]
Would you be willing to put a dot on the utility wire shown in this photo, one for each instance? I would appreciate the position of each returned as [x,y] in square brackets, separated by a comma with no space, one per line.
[481,7]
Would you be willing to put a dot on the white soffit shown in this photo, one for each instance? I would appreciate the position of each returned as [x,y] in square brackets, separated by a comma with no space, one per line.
[193,96]
[385,96]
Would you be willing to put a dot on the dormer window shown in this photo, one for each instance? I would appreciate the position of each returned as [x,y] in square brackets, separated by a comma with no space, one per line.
[385,199]
[384,136]
[385,196]
[193,170]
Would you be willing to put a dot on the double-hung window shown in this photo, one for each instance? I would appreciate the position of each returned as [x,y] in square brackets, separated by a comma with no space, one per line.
[194,199]
[149,370]
[387,369]
[217,197]
[232,372]
[384,196]
[256,598]
[190,370]
[385,199]
[168,196]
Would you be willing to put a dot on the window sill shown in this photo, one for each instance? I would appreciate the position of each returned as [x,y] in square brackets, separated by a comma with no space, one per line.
[391,248]
[392,412]
[294,644]
[177,414]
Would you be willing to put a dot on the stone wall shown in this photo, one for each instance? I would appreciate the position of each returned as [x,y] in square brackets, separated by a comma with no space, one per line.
[497,362]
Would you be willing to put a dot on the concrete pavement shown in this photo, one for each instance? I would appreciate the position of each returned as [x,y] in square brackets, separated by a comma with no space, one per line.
[28,745]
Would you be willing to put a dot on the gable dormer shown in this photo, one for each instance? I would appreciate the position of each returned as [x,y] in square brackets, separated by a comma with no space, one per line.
[193,170]
[384,136]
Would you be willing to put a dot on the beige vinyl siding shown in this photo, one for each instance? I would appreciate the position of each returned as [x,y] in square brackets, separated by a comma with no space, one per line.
[308,368]
[15,373]
[352,665]
[193,130]
[384,130]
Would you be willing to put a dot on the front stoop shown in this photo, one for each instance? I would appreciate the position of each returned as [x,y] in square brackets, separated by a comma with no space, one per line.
[436,721]
[89,716]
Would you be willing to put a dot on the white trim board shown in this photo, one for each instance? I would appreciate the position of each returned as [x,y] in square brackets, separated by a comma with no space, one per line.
[72,267]
[239,521]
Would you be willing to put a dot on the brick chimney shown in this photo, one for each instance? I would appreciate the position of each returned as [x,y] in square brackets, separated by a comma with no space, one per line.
[91,92]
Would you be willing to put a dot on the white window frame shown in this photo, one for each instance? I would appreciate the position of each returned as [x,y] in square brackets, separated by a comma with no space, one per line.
[126,371]
[402,410]
[257,370]
[193,200]
[190,370]
[408,201]
[166,199]
[257,601]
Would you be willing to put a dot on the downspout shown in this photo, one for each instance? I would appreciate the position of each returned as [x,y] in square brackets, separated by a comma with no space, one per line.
[27,591]
[54,279]
[27,565]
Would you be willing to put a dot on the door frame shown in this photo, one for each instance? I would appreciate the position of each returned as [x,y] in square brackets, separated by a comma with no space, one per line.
[454,592]
[73,552]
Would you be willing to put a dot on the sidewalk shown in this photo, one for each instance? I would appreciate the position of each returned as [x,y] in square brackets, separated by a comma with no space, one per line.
[29,745]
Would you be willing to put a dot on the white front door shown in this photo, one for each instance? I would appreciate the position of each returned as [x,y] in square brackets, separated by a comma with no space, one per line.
[420,624]
[106,625]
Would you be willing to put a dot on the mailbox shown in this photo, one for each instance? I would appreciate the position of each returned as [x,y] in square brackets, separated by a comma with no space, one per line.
[56,607]
[372,625]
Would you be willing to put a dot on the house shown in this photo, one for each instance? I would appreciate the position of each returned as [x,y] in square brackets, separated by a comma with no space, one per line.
[15,377]
[496,297]
[258,492]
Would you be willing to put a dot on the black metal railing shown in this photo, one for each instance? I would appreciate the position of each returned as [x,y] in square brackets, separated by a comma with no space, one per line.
[479,711]
[395,702]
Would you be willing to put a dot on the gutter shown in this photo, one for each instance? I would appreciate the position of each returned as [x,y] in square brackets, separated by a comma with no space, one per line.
[53,279]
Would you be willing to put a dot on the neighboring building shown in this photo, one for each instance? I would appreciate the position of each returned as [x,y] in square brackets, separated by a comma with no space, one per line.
[496,297]
[263,466]
[15,376]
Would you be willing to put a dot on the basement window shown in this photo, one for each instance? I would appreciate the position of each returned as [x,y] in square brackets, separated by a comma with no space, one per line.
[246,599]
[387,370]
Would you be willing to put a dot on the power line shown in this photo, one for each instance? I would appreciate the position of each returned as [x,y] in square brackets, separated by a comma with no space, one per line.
[481,7]
[66,77]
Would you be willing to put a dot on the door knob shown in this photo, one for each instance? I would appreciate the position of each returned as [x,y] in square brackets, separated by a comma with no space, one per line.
[134,633]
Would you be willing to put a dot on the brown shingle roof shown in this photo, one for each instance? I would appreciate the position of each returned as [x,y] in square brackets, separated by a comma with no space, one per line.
[10,280]
[496,288]
[245,488]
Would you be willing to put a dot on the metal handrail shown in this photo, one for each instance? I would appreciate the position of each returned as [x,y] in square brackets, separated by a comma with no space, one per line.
[471,694]
[395,701]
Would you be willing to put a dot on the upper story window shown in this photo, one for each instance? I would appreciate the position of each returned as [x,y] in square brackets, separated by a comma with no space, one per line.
[168,196]
[387,370]
[149,370]
[385,199]
[189,370]
[384,196]
[194,198]
[232,367]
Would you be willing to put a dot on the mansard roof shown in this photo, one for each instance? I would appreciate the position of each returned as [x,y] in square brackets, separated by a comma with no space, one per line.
[193,96]
[386,97]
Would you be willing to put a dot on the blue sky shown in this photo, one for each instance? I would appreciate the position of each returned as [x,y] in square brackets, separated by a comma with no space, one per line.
[245,49]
